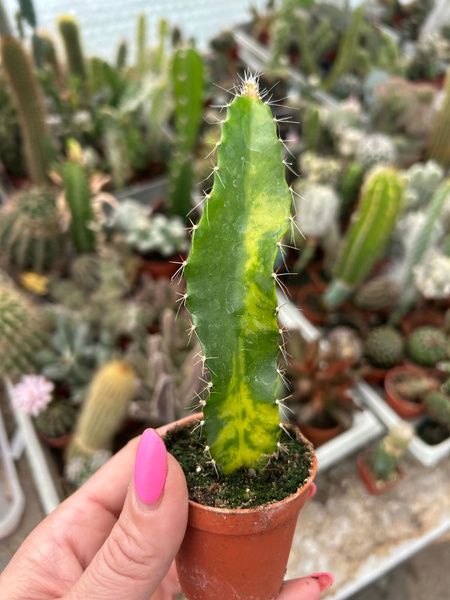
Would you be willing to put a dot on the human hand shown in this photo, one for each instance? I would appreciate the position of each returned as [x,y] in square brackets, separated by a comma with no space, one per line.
[117,536]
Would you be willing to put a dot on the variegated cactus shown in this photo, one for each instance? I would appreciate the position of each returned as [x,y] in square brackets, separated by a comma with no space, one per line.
[231,284]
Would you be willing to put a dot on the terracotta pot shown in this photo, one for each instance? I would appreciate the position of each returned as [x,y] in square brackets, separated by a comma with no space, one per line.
[301,298]
[375,375]
[418,318]
[59,442]
[317,435]
[405,408]
[375,486]
[160,269]
[240,553]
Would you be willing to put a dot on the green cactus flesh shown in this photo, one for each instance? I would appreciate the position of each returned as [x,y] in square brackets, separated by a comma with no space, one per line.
[374,219]
[231,285]
[384,347]
[426,346]
[79,202]
[70,33]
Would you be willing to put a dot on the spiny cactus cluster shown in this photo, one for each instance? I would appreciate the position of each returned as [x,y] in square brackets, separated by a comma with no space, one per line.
[348,85]
[427,346]
[376,149]
[432,276]
[320,169]
[22,334]
[384,347]
[421,182]
[31,233]
[386,456]
[57,419]
[439,147]
[378,294]
[438,407]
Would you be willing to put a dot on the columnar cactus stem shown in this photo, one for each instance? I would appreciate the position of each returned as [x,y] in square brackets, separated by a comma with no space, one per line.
[231,284]
[439,147]
[30,107]
[70,33]
[375,217]
[141,44]
[79,201]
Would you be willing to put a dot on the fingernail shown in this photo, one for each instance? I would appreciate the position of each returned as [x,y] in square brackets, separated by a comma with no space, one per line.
[150,469]
[325,580]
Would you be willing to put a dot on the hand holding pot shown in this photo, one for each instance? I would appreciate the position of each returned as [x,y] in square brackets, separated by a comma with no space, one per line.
[116,540]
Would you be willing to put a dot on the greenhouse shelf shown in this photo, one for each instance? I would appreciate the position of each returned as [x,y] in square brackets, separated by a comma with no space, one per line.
[428,455]
[365,427]
[256,57]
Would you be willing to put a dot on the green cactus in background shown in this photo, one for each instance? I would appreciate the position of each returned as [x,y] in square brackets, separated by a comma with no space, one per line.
[31,234]
[308,62]
[246,214]
[49,55]
[22,334]
[384,347]
[439,148]
[157,58]
[78,198]
[422,181]
[378,294]
[85,271]
[30,108]
[70,33]
[5,26]
[348,46]
[110,392]
[376,149]
[121,58]
[427,346]
[349,186]
[141,44]
[438,407]
[57,419]
[348,85]
[374,219]
[187,74]
[311,128]
[386,456]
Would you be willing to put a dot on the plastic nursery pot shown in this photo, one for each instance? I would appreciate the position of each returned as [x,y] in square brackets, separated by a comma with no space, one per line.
[405,408]
[318,435]
[374,486]
[239,553]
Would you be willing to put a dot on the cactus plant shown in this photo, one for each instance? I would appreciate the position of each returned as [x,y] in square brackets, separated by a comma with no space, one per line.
[57,419]
[30,108]
[378,294]
[384,460]
[78,198]
[121,58]
[141,44]
[246,215]
[384,347]
[376,149]
[374,219]
[349,186]
[427,346]
[320,169]
[85,271]
[421,182]
[347,49]
[348,85]
[438,407]
[187,74]
[439,148]
[432,276]
[22,334]
[31,232]
[70,33]
[103,410]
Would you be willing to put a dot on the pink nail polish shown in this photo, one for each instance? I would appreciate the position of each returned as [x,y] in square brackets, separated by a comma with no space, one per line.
[324,579]
[150,469]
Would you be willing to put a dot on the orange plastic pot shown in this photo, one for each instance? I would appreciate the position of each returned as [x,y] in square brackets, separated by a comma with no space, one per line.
[404,408]
[375,486]
[318,435]
[228,554]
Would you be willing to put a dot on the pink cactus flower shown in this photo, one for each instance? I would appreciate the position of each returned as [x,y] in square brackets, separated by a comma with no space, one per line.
[32,394]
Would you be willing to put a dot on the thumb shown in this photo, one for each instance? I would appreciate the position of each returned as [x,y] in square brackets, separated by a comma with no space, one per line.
[143,543]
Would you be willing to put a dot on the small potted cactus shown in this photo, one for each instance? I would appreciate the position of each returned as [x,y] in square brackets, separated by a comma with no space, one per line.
[239,444]
[427,346]
[379,468]
[436,428]
[406,387]
[56,422]
[383,350]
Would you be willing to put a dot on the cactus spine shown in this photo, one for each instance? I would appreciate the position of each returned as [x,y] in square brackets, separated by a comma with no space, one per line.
[30,107]
[110,392]
[246,214]
[22,334]
[78,199]
[347,49]
[375,217]
[70,33]
[31,235]
[439,149]
[187,74]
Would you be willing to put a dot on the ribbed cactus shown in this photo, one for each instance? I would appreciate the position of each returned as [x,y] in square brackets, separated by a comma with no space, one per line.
[245,217]
[110,392]
[348,46]
[187,75]
[30,107]
[349,186]
[439,148]
[78,198]
[121,58]
[386,456]
[374,219]
[70,33]
[31,233]
[57,419]
[141,44]
[22,334]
